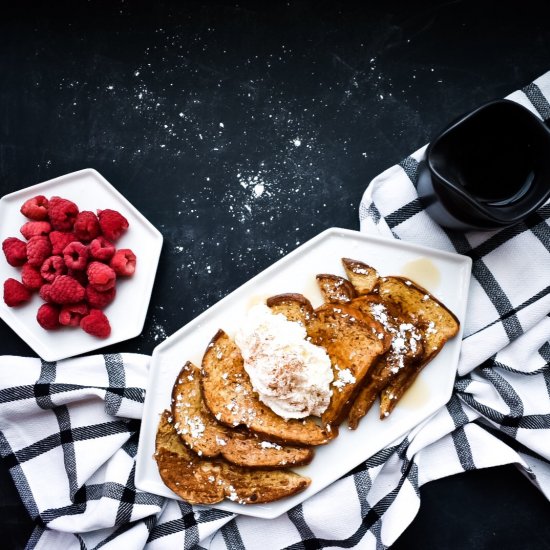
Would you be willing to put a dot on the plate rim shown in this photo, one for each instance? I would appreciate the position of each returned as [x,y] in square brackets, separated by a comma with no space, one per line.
[271,512]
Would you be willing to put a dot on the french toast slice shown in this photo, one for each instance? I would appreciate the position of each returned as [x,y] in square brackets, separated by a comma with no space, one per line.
[335,289]
[435,321]
[405,348]
[363,277]
[208,481]
[295,307]
[202,433]
[354,342]
[228,394]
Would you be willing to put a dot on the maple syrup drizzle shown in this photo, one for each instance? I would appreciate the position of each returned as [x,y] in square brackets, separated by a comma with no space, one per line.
[423,272]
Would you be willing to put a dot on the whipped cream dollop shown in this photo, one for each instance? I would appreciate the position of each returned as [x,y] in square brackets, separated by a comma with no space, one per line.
[291,375]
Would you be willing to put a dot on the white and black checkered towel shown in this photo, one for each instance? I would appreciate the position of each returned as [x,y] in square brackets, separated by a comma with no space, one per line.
[68,431]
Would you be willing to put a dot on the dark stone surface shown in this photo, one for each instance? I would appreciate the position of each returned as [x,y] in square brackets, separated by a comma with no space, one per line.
[182,106]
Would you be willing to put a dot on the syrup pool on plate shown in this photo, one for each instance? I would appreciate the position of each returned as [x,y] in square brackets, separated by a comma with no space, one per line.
[423,272]
[416,395]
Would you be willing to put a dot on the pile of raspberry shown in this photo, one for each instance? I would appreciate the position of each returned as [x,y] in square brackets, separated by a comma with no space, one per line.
[70,259]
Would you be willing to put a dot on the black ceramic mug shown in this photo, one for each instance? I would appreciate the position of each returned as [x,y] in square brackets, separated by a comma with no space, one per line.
[487,170]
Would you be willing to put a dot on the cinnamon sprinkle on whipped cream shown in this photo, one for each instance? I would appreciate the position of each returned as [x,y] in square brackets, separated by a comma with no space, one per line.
[291,375]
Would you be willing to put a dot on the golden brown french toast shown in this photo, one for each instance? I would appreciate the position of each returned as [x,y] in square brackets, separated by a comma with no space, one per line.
[335,289]
[295,307]
[202,433]
[223,441]
[436,323]
[363,277]
[229,396]
[208,481]
[354,342]
[405,348]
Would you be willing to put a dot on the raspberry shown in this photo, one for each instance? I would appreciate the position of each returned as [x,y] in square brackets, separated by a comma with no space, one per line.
[52,268]
[60,240]
[71,314]
[101,276]
[101,249]
[86,226]
[48,316]
[31,278]
[35,208]
[38,249]
[15,293]
[75,255]
[15,251]
[62,213]
[99,300]
[66,290]
[96,324]
[113,224]
[44,292]
[33,229]
[124,262]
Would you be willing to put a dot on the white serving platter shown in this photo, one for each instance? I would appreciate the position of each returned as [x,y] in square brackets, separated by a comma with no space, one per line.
[90,191]
[445,275]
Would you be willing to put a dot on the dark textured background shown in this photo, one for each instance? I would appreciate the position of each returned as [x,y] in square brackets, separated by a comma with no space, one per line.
[182,106]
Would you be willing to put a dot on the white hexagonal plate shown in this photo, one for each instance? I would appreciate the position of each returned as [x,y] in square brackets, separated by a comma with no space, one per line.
[90,191]
[445,275]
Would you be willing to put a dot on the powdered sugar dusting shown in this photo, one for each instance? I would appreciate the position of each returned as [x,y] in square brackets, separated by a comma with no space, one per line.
[344,377]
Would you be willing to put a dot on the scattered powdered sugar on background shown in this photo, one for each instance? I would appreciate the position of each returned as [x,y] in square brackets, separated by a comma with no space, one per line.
[156,331]
[243,146]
